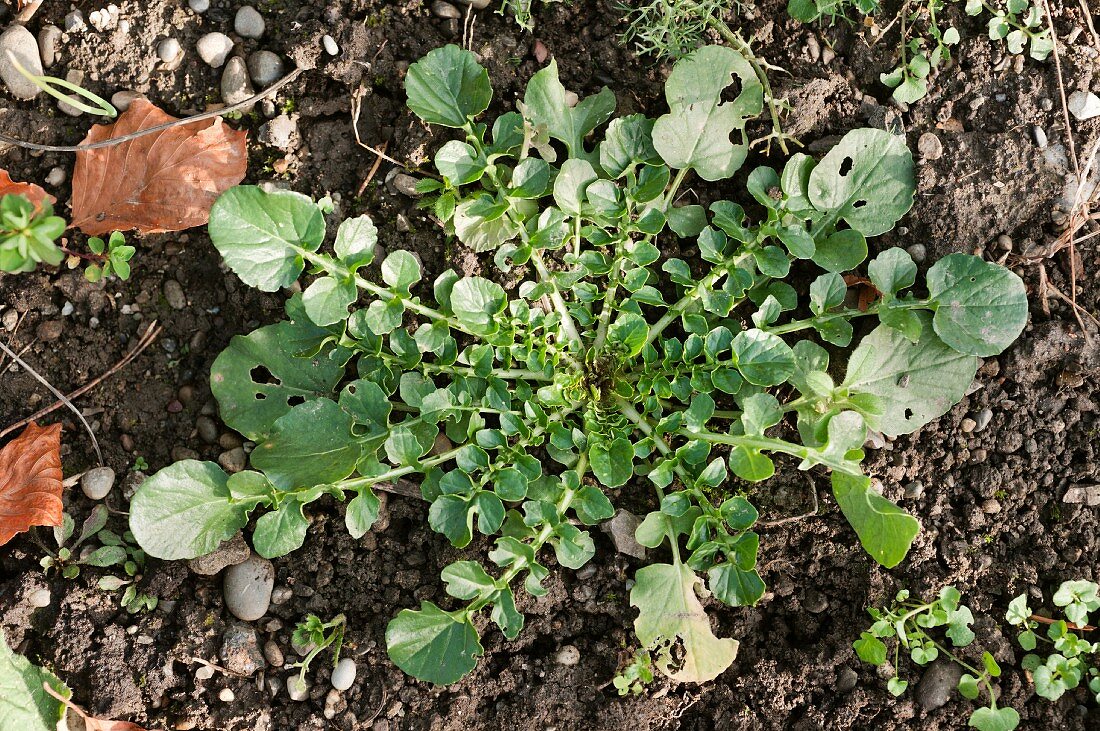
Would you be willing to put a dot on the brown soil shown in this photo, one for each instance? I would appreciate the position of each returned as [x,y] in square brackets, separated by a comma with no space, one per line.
[994,523]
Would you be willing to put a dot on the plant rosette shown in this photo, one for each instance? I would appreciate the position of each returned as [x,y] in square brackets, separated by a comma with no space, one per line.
[607,367]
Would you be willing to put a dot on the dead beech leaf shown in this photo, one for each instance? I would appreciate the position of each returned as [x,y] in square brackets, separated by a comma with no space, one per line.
[163,181]
[34,193]
[90,722]
[30,480]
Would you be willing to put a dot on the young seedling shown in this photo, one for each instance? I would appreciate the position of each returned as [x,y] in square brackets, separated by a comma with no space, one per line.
[609,365]
[1074,658]
[67,562]
[28,234]
[907,623]
[313,636]
[636,676]
[114,256]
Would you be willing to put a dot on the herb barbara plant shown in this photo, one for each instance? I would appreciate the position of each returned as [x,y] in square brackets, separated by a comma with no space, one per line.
[609,363]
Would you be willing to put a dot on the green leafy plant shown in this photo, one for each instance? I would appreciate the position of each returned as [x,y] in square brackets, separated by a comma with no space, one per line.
[28,234]
[114,255]
[1074,658]
[810,11]
[925,46]
[315,636]
[638,673]
[525,413]
[908,622]
[1019,23]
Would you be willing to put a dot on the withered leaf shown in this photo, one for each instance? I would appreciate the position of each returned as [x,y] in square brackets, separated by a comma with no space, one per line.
[163,181]
[30,480]
[90,722]
[34,193]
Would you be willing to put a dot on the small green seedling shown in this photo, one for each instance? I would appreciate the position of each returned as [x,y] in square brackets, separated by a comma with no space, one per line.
[313,636]
[1073,658]
[114,255]
[610,369]
[1019,23]
[65,560]
[28,234]
[50,85]
[636,676]
[908,622]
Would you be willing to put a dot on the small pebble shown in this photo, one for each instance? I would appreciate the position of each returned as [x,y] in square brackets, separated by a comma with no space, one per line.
[205,672]
[173,294]
[248,22]
[265,68]
[97,483]
[214,49]
[991,507]
[1004,241]
[331,47]
[918,252]
[74,22]
[981,421]
[247,588]
[273,654]
[405,185]
[1084,105]
[56,176]
[344,674]
[914,490]
[199,6]
[567,655]
[123,99]
[207,429]
[281,595]
[20,43]
[168,50]
[296,688]
[442,9]
[1040,136]
[39,598]
[48,39]
[476,4]
[967,425]
[930,147]
[236,86]
[67,308]
[233,460]
[226,695]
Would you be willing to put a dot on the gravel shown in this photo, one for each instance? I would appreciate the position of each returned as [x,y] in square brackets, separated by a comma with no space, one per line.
[621,529]
[273,654]
[1084,105]
[19,42]
[97,483]
[235,84]
[214,49]
[568,655]
[123,99]
[265,68]
[199,6]
[248,22]
[173,294]
[296,688]
[247,588]
[330,45]
[74,22]
[39,598]
[937,684]
[344,674]
[233,460]
[48,39]
[281,133]
[442,9]
[168,50]
[240,650]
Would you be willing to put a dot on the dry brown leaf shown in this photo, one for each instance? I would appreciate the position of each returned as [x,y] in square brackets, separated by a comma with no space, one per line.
[91,723]
[34,193]
[163,181]
[30,480]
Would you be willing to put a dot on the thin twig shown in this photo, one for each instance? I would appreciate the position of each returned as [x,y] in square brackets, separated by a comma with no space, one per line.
[23,364]
[356,108]
[1092,28]
[28,11]
[373,169]
[160,127]
[146,339]
[216,666]
[13,333]
[1069,625]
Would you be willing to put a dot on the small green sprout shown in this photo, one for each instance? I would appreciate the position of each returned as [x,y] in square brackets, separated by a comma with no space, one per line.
[114,255]
[28,234]
[638,673]
[66,561]
[316,635]
[907,622]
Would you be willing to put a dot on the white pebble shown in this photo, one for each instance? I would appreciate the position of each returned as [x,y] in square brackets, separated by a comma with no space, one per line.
[1084,105]
[296,688]
[199,6]
[214,49]
[226,695]
[344,674]
[39,598]
[169,50]
[568,655]
[67,308]
[204,673]
[248,22]
[97,483]
[56,176]
[331,47]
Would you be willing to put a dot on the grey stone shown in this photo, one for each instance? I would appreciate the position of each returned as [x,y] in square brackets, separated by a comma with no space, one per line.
[169,50]
[937,684]
[1083,495]
[207,429]
[344,674]
[265,68]
[247,588]
[568,655]
[228,553]
[273,654]
[214,49]
[173,293]
[122,100]
[56,176]
[1084,105]
[814,601]
[233,460]
[845,680]
[442,9]
[20,43]
[74,22]
[918,252]
[476,4]
[621,528]
[248,22]
[982,419]
[281,132]
[199,6]
[236,87]
[930,147]
[73,77]
[48,39]
[39,598]
[240,650]
[97,483]
[405,185]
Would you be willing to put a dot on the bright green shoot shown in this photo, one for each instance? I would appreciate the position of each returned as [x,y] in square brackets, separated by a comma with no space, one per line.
[28,234]
[317,636]
[609,366]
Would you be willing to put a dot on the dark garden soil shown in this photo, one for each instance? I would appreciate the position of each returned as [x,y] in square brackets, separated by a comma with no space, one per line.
[990,499]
